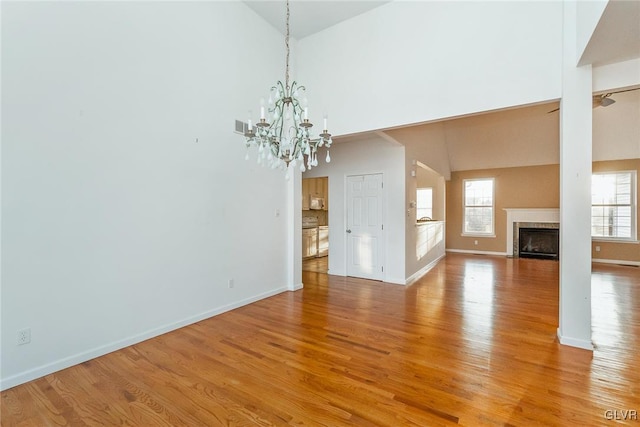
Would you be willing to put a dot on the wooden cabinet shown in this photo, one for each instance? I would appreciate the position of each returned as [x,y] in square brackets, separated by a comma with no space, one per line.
[309,242]
[315,187]
[305,193]
[323,241]
[325,192]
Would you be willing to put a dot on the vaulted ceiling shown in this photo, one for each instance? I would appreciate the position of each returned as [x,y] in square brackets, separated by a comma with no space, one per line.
[616,37]
[310,17]
[481,141]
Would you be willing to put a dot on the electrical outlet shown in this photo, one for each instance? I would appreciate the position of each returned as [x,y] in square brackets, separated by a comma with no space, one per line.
[475,242]
[597,248]
[231,284]
[24,336]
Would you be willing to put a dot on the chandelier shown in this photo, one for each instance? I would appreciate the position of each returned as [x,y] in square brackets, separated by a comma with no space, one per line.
[284,138]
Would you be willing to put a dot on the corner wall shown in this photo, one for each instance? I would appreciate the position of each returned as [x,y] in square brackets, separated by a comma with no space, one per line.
[410,62]
[126,203]
[361,157]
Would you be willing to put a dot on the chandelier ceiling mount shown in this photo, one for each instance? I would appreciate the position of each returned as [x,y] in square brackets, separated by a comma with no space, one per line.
[286,139]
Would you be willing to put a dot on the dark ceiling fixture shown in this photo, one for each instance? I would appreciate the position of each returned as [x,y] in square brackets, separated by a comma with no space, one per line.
[603,100]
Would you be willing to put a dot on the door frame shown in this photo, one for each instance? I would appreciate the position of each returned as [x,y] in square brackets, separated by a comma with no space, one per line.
[382,249]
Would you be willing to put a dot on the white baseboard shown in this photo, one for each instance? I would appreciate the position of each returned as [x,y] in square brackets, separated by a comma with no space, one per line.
[616,261]
[394,280]
[574,342]
[464,251]
[295,287]
[40,371]
[424,270]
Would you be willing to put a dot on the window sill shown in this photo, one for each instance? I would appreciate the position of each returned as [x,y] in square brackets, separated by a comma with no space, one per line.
[492,236]
[605,240]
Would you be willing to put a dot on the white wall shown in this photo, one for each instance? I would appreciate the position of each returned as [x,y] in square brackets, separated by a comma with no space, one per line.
[617,75]
[426,143]
[588,16]
[416,261]
[361,157]
[116,224]
[575,192]
[412,62]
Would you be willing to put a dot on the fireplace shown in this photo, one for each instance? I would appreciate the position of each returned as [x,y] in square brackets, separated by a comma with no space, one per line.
[537,242]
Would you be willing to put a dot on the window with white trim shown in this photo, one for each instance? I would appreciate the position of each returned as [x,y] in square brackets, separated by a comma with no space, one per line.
[424,203]
[613,205]
[478,199]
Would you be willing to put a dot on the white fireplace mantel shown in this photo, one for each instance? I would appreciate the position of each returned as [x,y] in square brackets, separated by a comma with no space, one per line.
[528,215]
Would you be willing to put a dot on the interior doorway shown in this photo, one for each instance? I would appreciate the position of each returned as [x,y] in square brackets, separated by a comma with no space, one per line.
[365,243]
[315,224]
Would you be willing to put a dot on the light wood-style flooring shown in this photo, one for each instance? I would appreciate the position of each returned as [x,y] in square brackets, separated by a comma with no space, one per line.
[316,265]
[472,343]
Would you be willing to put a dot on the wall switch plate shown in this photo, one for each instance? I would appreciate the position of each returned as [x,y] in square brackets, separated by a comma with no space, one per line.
[24,336]
[231,284]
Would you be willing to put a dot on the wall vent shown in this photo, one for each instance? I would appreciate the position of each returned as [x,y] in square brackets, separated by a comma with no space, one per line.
[241,127]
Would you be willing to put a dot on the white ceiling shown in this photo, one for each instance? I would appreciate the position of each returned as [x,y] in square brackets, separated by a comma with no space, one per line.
[616,38]
[617,35]
[310,16]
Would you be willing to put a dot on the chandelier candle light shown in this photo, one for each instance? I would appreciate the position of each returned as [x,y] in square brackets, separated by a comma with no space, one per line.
[287,138]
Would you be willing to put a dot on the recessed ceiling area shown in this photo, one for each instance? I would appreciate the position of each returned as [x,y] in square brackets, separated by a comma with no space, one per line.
[523,136]
[310,17]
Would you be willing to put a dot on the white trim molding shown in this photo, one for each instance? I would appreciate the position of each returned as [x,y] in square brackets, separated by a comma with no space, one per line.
[57,365]
[574,342]
[617,262]
[424,270]
[295,287]
[464,251]
[528,215]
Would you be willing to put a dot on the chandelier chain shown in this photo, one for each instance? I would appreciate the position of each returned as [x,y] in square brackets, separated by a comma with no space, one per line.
[286,41]
[283,134]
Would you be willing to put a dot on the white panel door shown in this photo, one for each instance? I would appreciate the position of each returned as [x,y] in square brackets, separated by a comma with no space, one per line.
[364,226]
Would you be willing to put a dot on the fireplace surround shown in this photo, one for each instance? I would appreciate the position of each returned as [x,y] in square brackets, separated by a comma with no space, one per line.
[538,242]
[546,218]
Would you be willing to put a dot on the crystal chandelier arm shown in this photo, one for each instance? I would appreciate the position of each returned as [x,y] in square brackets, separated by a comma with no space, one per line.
[287,139]
[276,127]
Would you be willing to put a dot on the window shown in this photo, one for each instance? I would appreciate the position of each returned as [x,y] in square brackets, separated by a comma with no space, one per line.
[613,205]
[424,203]
[478,206]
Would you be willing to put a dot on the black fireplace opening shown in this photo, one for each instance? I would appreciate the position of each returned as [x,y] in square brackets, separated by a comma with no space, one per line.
[541,243]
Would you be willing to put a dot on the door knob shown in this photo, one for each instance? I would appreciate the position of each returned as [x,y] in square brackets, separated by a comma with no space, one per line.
[348,231]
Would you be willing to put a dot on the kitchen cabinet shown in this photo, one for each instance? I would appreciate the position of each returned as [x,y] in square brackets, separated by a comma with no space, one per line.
[315,187]
[323,241]
[309,242]
[321,190]
[305,193]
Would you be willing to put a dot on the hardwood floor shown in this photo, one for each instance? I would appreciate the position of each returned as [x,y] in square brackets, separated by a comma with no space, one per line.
[471,343]
[316,265]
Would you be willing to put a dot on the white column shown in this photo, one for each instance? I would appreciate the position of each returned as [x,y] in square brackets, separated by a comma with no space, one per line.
[294,235]
[575,192]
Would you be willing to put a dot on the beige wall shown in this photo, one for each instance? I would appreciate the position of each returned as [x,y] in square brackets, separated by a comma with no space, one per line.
[523,187]
[526,187]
